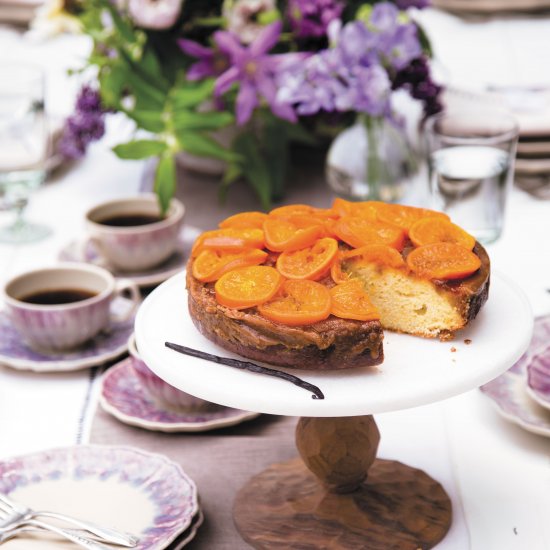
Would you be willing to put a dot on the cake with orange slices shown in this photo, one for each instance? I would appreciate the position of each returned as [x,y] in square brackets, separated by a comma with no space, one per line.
[314,288]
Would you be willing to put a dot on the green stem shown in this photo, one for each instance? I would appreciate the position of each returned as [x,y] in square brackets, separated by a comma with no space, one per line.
[209,21]
[374,166]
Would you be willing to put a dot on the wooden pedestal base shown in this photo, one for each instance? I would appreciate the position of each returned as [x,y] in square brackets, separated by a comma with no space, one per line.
[287,506]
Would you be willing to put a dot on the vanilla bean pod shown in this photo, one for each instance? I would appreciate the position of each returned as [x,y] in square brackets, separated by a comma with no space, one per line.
[247,365]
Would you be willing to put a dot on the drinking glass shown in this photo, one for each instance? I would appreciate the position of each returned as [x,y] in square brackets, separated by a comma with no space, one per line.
[471,165]
[23,146]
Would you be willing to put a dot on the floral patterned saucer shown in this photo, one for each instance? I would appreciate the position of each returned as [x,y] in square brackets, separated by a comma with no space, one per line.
[123,396]
[154,276]
[123,487]
[106,346]
[189,534]
[522,401]
[538,377]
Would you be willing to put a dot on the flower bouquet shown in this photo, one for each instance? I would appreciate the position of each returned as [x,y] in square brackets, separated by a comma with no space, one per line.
[265,73]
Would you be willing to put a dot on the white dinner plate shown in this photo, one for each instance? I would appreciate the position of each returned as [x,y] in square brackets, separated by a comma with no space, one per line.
[122,487]
[416,371]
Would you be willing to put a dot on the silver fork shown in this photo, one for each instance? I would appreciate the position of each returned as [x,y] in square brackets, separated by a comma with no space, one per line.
[106,533]
[13,524]
[7,533]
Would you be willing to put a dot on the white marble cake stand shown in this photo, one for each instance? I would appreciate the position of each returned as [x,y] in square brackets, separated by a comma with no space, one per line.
[338,505]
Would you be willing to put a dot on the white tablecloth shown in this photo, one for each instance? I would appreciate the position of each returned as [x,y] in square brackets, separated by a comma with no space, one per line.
[498,475]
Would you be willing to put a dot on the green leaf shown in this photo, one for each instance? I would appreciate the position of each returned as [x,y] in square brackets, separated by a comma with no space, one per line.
[267,17]
[140,149]
[123,26]
[232,173]
[144,88]
[148,120]
[203,146]
[254,167]
[297,133]
[165,181]
[424,40]
[151,64]
[112,80]
[210,120]
[190,94]
[276,156]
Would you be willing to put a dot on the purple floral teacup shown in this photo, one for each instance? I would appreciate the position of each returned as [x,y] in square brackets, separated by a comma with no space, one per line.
[538,372]
[62,307]
[163,393]
[130,234]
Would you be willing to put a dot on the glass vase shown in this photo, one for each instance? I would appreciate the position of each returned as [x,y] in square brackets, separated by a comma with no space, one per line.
[372,160]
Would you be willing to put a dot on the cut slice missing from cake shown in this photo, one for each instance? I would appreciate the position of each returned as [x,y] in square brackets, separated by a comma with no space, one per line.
[423,307]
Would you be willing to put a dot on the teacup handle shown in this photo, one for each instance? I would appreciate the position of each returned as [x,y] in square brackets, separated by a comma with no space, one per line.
[121,286]
[82,252]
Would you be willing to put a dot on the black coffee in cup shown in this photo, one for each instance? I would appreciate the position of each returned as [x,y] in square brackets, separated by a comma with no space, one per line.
[57,296]
[130,220]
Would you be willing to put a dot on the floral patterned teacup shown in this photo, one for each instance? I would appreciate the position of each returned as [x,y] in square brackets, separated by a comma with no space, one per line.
[163,393]
[131,235]
[62,307]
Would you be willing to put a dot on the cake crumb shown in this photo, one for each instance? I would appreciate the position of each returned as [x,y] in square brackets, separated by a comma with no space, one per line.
[453,349]
[467,341]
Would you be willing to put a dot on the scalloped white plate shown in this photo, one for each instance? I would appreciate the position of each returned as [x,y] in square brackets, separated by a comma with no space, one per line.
[129,489]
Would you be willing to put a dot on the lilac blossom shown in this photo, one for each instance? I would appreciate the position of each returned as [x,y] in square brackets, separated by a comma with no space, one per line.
[242,17]
[85,125]
[396,43]
[399,48]
[406,4]
[346,77]
[384,17]
[416,79]
[211,61]
[311,18]
[154,14]
[255,71]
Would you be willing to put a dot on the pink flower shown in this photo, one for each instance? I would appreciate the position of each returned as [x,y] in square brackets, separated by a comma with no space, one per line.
[154,14]
[242,17]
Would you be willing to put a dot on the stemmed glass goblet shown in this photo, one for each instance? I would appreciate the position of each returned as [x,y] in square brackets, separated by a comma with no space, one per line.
[23,146]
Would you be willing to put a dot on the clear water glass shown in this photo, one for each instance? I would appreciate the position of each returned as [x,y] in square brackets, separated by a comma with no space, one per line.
[471,166]
[23,146]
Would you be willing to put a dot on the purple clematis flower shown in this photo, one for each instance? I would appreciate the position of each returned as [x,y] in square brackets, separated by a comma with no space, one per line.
[211,61]
[255,71]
